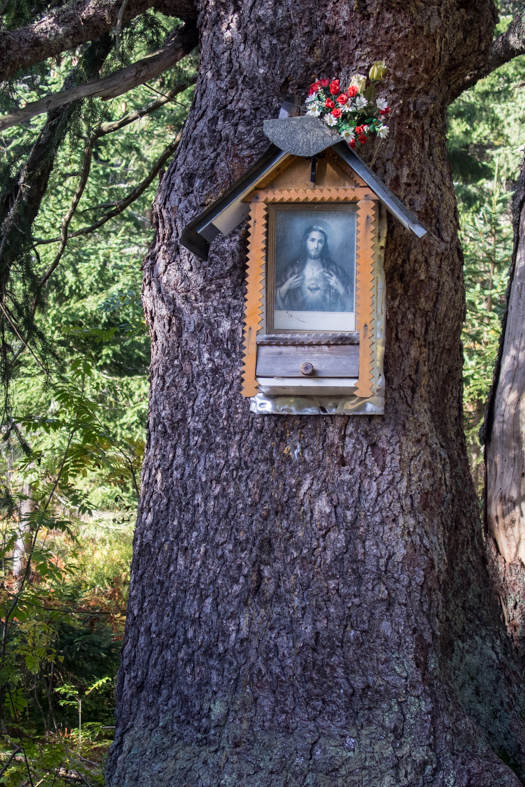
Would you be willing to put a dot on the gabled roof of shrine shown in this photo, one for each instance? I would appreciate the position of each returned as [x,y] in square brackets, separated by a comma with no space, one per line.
[306,137]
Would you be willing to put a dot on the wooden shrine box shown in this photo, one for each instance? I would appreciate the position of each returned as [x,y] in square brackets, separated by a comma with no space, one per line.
[314,314]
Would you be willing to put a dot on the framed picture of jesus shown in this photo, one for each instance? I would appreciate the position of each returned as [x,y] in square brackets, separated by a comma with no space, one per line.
[311,268]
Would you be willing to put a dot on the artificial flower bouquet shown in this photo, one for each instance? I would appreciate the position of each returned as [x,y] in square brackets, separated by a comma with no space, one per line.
[355,113]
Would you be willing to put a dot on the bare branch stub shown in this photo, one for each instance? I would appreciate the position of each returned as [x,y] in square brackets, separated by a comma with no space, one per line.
[506,47]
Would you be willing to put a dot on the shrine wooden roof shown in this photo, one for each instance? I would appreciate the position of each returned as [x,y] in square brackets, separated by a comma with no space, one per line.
[305,137]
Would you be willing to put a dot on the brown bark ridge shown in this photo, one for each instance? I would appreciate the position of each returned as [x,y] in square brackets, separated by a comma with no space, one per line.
[505,441]
[310,604]
[74,24]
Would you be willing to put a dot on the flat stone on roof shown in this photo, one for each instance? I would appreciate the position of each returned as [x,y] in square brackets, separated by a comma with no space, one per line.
[301,136]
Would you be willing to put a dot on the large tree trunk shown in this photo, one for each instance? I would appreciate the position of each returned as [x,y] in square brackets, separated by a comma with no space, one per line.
[505,438]
[309,601]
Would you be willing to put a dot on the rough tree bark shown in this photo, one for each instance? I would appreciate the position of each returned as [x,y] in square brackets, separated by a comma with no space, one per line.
[309,602]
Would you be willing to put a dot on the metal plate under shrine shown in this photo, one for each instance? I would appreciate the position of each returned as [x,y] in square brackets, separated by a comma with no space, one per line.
[327,361]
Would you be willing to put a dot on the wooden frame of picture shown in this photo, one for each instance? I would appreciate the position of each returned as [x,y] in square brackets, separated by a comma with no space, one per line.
[260,296]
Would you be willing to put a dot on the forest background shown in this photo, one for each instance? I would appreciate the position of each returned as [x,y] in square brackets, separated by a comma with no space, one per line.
[75,410]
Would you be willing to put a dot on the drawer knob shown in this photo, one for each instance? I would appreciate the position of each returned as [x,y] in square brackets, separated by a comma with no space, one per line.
[307,368]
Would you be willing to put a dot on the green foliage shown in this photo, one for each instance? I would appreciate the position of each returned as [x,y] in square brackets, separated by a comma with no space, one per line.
[487,242]
[82,139]
[73,430]
[487,238]
[62,622]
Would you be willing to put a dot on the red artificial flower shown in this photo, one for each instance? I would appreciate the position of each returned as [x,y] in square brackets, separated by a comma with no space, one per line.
[352,143]
[384,111]
[359,129]
[334,87]
[325,82]
[342,99]
[336,113]
[362,139]
[352,91]
[329,104]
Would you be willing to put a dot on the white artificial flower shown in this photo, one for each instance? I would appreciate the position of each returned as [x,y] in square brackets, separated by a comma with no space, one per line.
[383,131]
[330,120]
[313,97]
[347,134]
[382,103]
[358,81]
[313,112]
[361,102]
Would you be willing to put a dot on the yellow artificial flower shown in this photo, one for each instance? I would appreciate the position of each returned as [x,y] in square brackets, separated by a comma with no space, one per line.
[377,71]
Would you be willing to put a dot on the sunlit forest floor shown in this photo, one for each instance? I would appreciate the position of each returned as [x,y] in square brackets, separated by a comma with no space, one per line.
[76,412]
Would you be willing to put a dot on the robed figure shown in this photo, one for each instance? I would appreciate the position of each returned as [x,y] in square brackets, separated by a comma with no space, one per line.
[314,282]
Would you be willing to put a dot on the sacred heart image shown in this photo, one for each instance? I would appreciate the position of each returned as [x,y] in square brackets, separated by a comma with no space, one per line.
[312,255]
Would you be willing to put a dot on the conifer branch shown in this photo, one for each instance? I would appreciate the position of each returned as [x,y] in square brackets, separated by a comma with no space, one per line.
[115,84]
[88,155]
[109,128]
[75,23]
[122,204]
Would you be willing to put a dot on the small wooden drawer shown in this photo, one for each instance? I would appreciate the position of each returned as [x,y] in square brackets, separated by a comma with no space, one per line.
[327,361]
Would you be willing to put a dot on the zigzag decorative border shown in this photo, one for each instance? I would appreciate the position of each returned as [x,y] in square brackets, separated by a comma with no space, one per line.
[253,301]
[365,242]
[314,195]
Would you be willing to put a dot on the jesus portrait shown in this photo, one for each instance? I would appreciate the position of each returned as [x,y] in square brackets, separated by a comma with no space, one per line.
[314,269]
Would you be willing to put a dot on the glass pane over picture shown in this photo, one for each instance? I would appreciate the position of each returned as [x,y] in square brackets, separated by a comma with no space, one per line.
[312,267]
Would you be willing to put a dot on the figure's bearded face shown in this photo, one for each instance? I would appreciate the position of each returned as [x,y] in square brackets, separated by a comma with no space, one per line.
[314,245]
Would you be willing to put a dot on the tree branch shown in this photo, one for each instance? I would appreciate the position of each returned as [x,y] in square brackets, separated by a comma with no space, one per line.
[506,47]
[109,128]
[115,84]
[74,24]
[118,28]
[11,757]
[127,201]
[88,153]
[33,178]
[509,44]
